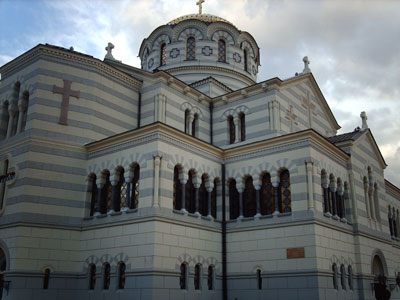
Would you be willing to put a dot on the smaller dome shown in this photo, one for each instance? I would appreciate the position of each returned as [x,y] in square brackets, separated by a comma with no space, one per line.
[201,17]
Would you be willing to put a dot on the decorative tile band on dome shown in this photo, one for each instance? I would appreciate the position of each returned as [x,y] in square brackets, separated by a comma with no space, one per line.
[201,17]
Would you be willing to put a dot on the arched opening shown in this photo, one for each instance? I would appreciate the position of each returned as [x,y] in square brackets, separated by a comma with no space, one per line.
[249,195]
[189,193]
[121,275]
[285,195]
[92,276]
[197,277]
[245,60]
[93,193]
[46,279]
[267,195]
[163,54]
[242,122]
[203,196]
[221,51]
[177,192]
[183,276]
[195,125]
[233,200]
[377,267]
[106,276]
[191,49]
[17,88]
[133,187]
[231,126]
[214,195]
[187,117]
[335,276]
[25,104]
[120,190]
[210,277]
[259,279]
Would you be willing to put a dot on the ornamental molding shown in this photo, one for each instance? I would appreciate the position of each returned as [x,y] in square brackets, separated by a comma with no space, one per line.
[211,80]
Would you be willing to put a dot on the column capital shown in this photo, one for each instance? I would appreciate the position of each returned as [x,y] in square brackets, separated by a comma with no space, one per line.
[257,187]
[240,190]
[183,180]
[275,184]
[196,185]
[209,189]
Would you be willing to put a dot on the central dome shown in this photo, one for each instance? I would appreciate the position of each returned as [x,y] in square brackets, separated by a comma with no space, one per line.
[201,17]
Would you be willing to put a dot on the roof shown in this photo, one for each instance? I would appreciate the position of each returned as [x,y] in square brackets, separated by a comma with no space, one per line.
[346,136]
[201,17]
[213,80]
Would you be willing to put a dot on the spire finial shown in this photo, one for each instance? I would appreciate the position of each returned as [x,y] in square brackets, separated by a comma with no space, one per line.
[200,4]
[364,119]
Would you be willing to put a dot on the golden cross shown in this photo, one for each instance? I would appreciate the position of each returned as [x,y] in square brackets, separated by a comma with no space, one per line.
[200,4]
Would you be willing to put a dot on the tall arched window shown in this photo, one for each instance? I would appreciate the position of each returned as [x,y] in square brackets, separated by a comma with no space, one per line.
[285,197]
[376,203]
[92,276]
[46,279]
[121,190]
[335,276]
[4,119]
[267,195]
[231,126]
[350,278]
[245,58]
[187,125]
[339,199]
[214,199]
[189,193]
[233,200]
[259,279]
[3,183]
[210,277]
[106,276]
[242,122]
[249,195]
[93,194]
[394,222]
[221,51]
[195,125]
[17,88]
[367,208]
[197,277]
[177,193]
[343,276]
[183,276]
[25,104]
[106,194]
[121,275]
[191,49]
[163,54]
[203,197]
[134,188]
[390,219]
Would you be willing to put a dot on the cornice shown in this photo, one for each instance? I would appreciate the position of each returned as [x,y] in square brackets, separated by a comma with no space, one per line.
[69,55]
[392,188]
[213,80]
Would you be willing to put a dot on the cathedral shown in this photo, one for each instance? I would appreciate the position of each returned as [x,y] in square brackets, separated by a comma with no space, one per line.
[186,178]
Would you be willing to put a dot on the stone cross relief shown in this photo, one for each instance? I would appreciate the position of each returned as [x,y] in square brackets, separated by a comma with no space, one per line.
[307,103]
[66,92]
[291,117]
[200,4]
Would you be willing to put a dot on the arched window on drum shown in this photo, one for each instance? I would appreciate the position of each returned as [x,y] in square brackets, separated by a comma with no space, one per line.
[285,195]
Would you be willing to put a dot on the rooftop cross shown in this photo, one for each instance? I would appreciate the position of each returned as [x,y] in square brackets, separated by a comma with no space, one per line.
[109,48]
[306,67]
[200,4]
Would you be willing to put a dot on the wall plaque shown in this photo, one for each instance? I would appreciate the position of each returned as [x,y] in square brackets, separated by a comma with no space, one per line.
[295,253]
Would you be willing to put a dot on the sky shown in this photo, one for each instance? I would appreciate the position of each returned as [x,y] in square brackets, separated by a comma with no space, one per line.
[353,46]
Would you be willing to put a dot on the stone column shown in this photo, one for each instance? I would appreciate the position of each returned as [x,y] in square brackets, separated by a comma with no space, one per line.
[128,180]
[190,122]
[12,110]
[236,121]
[310,185]
[333,198]
[196,199]
[183,206]
[156,188]
[209,191]
[21,110]
[257,187]
[276,200]
[240,190]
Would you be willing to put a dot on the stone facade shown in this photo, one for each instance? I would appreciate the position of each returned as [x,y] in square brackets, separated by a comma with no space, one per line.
[186,181]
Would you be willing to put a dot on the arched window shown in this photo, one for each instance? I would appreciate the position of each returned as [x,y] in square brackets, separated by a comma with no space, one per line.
[245,60]
[214,199]
[339,199]
[46,279]
[120,190]
[197,277]
[394,222]
[189,193]
[242,122]
[93,194]
[335,276]
[210,277]
[350,273]
[3,183]
[17,88]
[233,200]
[390,219]
[92,276]
[231,126]
[177,194]
[267,195]
[285,197]
[191,49]
[376,203]
[134,188]
[4,119]
[195,125]
[183,276]
[121,275]
[203,197]
[365,181]
[343,276]
[106,194]
[259,279]
[249,195]
[25,104]
[221,51]
[325,191]
[163,54]
[106,276]
[187,125]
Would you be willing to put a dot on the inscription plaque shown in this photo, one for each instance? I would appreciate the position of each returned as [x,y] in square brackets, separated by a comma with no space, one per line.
[295,253]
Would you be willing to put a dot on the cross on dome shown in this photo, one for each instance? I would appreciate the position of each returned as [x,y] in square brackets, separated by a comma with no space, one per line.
[109,48]
[200,4]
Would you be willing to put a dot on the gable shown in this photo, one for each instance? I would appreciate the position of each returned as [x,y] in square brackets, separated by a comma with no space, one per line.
[301,96]
[367,150]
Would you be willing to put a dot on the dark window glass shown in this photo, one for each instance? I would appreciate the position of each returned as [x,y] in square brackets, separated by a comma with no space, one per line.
[121,275]
[233,200]
[163,54]
[189,194]
[134,188]
[249,195]
[92,277]
[197,274]
[221,51]
[335,276]
[285,193]
[259,280]
[231,125]
[191,49]
[46,279]
[203,197]
[245,60]
[350,273]
[182,278]
[210,278]
[242,127]
[106,279]
[267,195]
[214,200]
[177,190]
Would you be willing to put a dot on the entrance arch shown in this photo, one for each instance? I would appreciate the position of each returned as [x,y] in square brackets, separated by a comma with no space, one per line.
[379,270]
